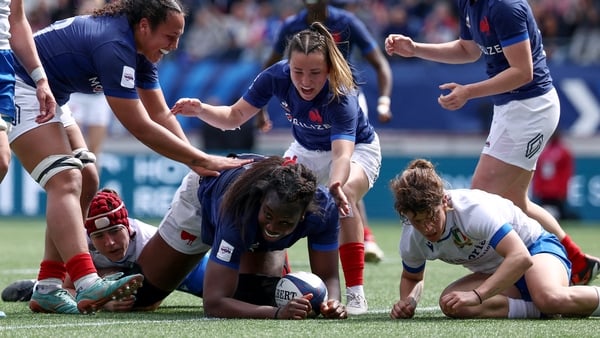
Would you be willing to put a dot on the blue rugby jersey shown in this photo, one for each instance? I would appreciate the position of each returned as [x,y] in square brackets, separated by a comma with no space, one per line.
[315,123]
[321,229]
[88,54]
[496,24]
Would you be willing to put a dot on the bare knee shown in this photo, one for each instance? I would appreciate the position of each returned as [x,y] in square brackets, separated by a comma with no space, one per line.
[548,302]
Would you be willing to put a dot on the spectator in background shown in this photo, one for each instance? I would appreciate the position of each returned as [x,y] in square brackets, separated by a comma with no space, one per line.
[207,36]
[440,24]
[585,46]
[550,185]
[400,22]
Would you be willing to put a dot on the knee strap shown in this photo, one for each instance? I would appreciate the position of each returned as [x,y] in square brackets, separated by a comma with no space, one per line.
[52,165]
[86,156]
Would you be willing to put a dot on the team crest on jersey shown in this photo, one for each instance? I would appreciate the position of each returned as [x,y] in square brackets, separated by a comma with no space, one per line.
[484,26]
[187,237]
[534,145]
[315,116]
[337,37]
[460,239]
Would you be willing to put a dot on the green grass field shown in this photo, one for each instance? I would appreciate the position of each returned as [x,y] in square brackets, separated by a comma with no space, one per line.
[181,315]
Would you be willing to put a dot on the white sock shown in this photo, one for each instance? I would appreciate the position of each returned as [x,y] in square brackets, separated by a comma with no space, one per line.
[86,281]
[596,312]
[518,308]
[48,285]
[356,289]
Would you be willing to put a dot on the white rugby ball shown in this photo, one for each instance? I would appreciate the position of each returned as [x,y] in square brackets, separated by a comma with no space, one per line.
[299,283]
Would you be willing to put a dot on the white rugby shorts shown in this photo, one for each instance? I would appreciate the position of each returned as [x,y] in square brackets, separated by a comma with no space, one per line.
[181,227]
[521,129]
[28,109]
[368,156]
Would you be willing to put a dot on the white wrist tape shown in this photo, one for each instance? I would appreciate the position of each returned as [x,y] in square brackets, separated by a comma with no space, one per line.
[38,74]
[383,105]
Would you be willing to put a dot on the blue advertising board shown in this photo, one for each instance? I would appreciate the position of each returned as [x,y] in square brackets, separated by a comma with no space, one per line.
[147,183]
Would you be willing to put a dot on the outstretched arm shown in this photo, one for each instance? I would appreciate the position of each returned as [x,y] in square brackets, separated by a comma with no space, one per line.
[223,117]
[164,137]
[453,52]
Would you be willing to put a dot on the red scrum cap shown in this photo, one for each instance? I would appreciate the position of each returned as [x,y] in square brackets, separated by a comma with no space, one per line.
[107,210]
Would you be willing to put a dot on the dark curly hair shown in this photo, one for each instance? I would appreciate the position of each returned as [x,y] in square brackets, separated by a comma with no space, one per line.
[293,182]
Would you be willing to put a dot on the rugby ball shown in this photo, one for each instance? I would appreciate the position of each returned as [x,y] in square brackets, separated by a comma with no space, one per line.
[299,283]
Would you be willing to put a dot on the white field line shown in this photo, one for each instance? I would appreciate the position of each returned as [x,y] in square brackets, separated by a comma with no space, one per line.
[13,328]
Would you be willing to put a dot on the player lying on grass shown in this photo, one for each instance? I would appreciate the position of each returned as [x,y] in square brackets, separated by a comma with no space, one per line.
[518,270]
[246,217]
[115,242]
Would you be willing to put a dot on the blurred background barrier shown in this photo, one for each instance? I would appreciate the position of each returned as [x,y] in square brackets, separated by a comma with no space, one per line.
[420,128]
[414,99]
[147,183]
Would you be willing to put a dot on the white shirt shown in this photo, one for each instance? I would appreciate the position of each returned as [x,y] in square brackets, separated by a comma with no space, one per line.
[477,222]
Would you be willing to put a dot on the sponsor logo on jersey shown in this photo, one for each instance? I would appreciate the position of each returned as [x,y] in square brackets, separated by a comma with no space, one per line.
[225,251]
[128,77]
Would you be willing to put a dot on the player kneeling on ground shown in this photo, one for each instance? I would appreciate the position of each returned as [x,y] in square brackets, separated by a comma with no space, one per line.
[518,269]
[247,216]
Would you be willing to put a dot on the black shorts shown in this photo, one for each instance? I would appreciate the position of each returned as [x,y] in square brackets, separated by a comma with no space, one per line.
[256,289]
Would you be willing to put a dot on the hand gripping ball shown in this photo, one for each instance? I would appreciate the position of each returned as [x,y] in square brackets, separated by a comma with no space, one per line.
[299,283]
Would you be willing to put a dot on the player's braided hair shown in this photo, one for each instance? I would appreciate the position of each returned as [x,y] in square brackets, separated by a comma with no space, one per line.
[418,189]
[318,39]
[155,11]
[293,183]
